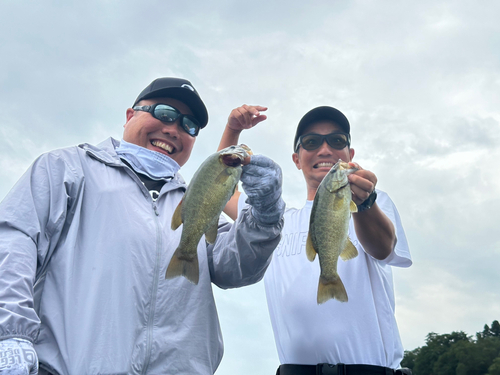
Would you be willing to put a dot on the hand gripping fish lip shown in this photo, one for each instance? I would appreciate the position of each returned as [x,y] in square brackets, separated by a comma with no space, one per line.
[234,156]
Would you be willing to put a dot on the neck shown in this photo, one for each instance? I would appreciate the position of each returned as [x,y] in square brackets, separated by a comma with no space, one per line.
[311,193]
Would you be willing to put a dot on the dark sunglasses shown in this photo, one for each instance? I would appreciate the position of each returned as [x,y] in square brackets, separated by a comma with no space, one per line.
[312,141]
[167,113]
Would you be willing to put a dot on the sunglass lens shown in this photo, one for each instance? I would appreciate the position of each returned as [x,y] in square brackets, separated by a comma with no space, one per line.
[165,113]
[337,141]
[191,125]
[311,141]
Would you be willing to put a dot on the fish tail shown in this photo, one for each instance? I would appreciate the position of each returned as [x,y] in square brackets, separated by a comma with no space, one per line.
[331,289]
[182,266]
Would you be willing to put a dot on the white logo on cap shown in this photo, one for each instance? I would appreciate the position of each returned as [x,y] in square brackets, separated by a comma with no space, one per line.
[188,86]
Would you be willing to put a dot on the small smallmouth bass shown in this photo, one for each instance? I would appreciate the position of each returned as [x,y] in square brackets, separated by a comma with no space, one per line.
[328,229]
[210,189]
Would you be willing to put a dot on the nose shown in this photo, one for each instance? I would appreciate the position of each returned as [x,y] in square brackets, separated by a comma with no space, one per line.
[325,149]
[173,129]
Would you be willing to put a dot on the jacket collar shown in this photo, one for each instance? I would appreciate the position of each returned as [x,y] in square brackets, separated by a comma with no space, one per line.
[105,153]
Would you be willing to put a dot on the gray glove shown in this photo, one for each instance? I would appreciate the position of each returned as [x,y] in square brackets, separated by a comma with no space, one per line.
[18,357]
[261,180]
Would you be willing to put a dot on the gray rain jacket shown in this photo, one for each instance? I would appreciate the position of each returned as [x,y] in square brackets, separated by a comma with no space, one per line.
[83,255]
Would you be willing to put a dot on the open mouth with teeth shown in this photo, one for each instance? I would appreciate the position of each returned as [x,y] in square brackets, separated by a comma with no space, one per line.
[166,147]
[323,165]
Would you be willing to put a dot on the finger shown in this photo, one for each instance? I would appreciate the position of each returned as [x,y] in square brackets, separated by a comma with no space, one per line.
[362,189]
[361,186]
[240,117]
[248,113]
[360,194]
[252,110]
[258,119]
[236,115]
[246,160]
[355,165]
[363,178]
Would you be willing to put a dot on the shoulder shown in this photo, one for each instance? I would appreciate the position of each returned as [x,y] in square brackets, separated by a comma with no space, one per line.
[60,158]
[74,160]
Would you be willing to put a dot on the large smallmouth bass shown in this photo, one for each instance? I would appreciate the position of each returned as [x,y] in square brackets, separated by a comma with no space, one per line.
[328,229]
[210,189]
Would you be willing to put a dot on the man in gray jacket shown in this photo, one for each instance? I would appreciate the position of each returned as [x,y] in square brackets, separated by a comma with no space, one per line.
[85,240]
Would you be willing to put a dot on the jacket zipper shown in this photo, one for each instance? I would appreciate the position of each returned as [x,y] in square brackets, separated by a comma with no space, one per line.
[154,292]
[152,308]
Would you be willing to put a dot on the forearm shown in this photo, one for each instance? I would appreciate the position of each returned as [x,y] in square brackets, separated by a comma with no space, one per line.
[375,231]
[230,137]
[241,255]
[18,261]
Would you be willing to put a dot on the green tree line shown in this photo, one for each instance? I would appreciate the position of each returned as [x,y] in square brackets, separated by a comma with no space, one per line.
[457,354]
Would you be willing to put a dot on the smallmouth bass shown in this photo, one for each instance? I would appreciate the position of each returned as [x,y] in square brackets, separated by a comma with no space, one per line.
[328,230]
[210,189]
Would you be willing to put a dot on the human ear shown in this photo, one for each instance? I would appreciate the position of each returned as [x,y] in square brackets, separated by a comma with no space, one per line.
[296,160]
[129,114]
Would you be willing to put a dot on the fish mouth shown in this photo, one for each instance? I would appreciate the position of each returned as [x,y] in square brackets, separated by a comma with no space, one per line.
[338,166]
[233,156]
[164,146]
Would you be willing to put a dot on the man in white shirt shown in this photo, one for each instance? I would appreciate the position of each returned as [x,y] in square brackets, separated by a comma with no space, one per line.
[359,337]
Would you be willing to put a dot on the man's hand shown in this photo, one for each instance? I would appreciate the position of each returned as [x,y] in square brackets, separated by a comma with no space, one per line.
[241,118]
[18,357]
[374,229]
[362,182]
[261,180]
[245,117]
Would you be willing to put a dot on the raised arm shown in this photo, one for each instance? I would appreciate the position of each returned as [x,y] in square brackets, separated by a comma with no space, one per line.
[373,228]
[241,118]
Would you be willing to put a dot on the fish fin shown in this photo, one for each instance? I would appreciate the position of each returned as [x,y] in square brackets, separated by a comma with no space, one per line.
[222,177]
[211,233]
[310,250]
[331,289]
[188,268]
[353,207]
[177,217]
[349,251]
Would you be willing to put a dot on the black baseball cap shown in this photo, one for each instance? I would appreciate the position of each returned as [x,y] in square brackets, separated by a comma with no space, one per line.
[180,89]
[323,113]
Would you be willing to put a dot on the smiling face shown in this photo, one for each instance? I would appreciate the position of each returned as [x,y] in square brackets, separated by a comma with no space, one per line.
[170,139]
[315,164]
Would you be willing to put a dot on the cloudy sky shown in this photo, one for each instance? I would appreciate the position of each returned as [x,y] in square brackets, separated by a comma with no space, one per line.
[419,81]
